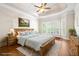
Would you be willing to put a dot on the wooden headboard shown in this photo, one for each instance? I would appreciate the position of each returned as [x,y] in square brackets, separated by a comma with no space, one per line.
[22,30]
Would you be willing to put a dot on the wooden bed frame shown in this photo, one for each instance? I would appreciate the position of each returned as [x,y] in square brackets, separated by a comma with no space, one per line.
[44,48]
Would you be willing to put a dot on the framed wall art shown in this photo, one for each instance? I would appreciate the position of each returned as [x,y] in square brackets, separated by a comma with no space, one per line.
[22,22]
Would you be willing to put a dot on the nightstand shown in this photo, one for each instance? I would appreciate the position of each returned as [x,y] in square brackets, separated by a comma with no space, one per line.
[11,40]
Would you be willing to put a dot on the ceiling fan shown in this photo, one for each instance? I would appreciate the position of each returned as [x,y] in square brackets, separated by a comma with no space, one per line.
[42,8]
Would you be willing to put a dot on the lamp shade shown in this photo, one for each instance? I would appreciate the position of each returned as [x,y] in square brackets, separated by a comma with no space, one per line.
[12,31]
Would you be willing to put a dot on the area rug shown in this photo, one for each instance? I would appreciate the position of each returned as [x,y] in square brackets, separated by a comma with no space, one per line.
[52,52]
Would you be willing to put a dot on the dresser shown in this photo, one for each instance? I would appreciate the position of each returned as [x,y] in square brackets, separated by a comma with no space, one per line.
[11,40]
[3,41]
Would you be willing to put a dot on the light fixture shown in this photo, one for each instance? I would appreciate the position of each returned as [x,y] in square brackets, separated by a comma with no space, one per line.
[12,32]
[42,8]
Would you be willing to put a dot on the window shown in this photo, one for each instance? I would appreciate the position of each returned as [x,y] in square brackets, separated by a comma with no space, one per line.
[51,27]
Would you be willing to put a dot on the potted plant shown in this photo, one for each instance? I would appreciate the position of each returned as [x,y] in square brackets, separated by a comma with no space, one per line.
[72,32]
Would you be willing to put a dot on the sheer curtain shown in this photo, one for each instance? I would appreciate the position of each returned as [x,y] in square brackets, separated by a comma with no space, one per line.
[57,27]
[51,27]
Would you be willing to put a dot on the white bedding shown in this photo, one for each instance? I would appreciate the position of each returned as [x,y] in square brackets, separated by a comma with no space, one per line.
[34,41]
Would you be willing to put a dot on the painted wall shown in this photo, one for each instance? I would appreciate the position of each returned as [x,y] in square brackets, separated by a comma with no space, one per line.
[9,19]
[33,22]
[5,24]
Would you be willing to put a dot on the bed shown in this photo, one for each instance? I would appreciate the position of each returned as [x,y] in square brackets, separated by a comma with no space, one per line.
[39,42]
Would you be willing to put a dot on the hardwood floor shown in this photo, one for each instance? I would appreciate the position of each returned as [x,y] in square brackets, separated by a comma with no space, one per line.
[68,48]
[10,51]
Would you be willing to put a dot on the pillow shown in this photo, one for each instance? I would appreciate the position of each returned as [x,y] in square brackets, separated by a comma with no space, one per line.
[33,32]
[23,33]
[31,35]
[27,33]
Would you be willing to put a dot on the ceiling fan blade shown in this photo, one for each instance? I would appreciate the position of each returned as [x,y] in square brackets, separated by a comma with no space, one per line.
[36,6]
[45,4]
[47,8]
[37,10]
[41,5]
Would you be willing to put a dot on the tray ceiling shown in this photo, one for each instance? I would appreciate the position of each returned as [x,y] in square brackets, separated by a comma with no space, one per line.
[30,9]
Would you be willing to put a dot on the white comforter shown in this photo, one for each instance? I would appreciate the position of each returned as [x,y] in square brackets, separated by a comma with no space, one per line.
[34,41]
